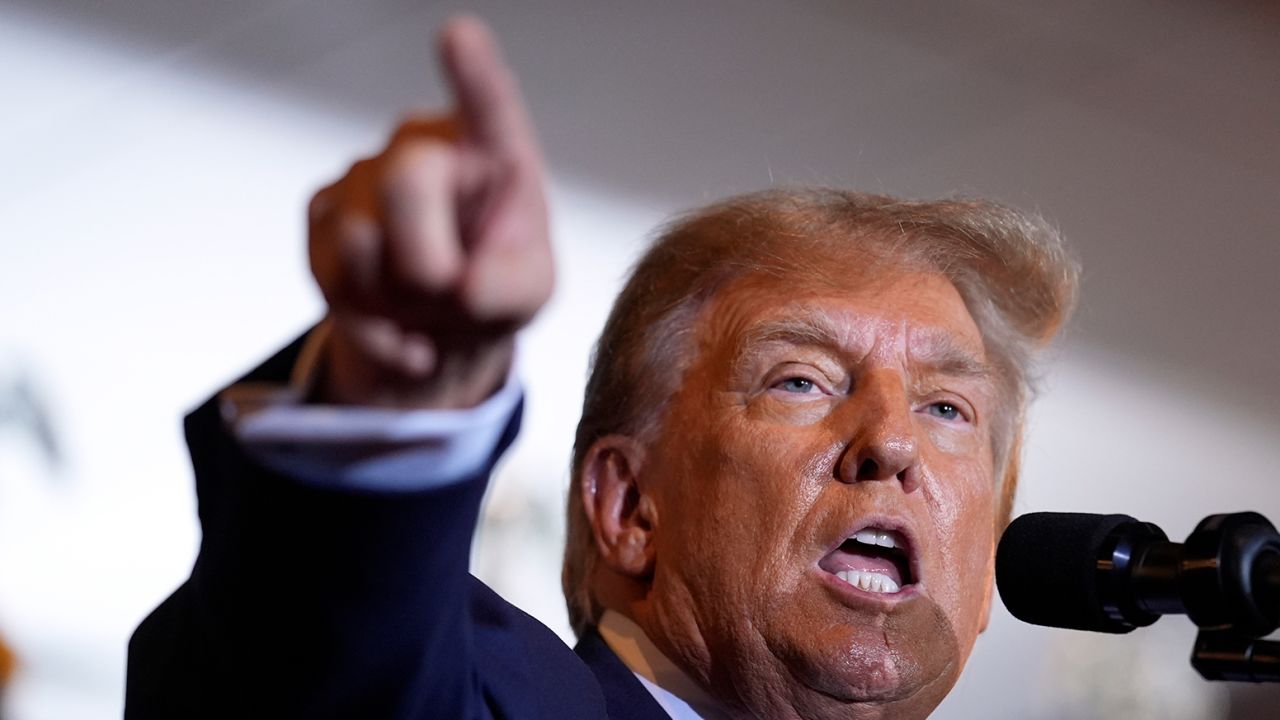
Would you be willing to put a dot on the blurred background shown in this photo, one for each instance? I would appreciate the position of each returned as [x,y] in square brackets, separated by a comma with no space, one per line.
[157,156]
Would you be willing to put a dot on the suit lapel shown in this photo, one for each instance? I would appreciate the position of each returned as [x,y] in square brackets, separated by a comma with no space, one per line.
[624,696]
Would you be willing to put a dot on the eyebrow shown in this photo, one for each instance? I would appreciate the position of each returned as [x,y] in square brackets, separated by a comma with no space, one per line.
[816,328]
[946,356]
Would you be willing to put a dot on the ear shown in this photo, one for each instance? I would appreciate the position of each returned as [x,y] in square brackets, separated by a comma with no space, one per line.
[622,517]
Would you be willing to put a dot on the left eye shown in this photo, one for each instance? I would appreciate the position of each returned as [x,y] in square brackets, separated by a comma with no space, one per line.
[945,410]
[796,385]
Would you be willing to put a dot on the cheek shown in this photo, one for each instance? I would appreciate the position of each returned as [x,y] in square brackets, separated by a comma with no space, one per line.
[961,504]
[955,443]
[959,482]
[739,498]
[782,411]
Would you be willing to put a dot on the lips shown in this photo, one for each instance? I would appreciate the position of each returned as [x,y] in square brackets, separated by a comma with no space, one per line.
[875,559]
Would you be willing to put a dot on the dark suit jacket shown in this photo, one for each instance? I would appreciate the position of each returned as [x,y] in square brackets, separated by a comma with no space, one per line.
[329,603]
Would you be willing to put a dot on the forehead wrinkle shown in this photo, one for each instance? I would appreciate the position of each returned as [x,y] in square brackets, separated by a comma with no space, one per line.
[809,325]
[941,352]
[931,349]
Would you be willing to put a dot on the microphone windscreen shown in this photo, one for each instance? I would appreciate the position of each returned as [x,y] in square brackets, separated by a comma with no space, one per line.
[1047,569]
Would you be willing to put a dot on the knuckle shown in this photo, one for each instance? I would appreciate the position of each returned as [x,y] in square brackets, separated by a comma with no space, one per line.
[418,166]
[421,125]
[343,251]
[333,197]
[356,233]
[343,240]
[320,204]
[358,174]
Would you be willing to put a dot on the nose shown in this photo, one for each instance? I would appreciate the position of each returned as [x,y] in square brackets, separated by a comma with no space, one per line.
[882,445]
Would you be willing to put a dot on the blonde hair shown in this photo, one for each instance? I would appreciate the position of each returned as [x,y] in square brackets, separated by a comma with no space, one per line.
[1011,268]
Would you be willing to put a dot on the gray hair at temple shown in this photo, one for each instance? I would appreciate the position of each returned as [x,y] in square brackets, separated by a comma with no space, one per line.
[1011,269]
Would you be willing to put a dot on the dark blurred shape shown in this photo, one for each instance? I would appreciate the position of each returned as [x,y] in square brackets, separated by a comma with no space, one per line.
[24,410]
[1112,573]
[1253,702]
[1048,570]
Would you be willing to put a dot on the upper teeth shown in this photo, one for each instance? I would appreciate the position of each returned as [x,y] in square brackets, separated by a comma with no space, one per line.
[871,536]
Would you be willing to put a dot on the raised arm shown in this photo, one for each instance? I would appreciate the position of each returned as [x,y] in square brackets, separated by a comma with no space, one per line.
[322,600]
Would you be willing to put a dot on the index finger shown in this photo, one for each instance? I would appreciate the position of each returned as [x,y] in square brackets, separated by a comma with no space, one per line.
[492,109]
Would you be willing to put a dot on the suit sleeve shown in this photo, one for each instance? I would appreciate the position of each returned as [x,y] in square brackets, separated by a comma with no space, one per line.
[313,601]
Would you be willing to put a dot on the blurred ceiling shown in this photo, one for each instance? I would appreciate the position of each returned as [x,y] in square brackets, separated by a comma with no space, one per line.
[1149,131]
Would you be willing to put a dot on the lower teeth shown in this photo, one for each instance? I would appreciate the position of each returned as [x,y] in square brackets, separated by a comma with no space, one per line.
[870,581]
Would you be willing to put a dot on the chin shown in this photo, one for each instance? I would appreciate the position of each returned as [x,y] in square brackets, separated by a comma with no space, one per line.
[871,666]
[864,664]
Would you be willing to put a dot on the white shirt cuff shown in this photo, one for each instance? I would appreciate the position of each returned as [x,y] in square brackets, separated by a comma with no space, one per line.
[358,447]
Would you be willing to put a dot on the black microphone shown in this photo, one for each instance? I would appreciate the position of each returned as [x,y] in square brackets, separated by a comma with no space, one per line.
[1112,573]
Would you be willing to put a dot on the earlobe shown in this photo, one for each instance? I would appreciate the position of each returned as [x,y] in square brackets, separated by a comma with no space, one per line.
[622,517]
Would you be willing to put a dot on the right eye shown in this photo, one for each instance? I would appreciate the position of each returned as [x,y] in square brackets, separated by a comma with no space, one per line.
[796,385]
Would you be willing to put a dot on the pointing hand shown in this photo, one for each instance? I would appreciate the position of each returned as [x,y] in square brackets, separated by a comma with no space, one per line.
[433,253]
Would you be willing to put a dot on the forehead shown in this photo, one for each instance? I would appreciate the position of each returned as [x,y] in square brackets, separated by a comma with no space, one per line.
[920,313]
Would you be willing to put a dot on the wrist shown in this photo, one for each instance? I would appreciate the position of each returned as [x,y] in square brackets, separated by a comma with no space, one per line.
[461,374]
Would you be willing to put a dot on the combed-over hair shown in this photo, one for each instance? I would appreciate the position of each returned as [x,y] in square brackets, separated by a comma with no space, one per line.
[1011,269]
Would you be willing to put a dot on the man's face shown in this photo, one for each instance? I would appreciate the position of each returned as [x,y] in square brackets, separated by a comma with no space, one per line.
[818,409]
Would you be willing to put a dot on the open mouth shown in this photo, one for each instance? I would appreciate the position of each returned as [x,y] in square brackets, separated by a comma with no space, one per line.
[874,559]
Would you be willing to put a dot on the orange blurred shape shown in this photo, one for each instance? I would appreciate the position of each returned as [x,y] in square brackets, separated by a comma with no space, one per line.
[7,663]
